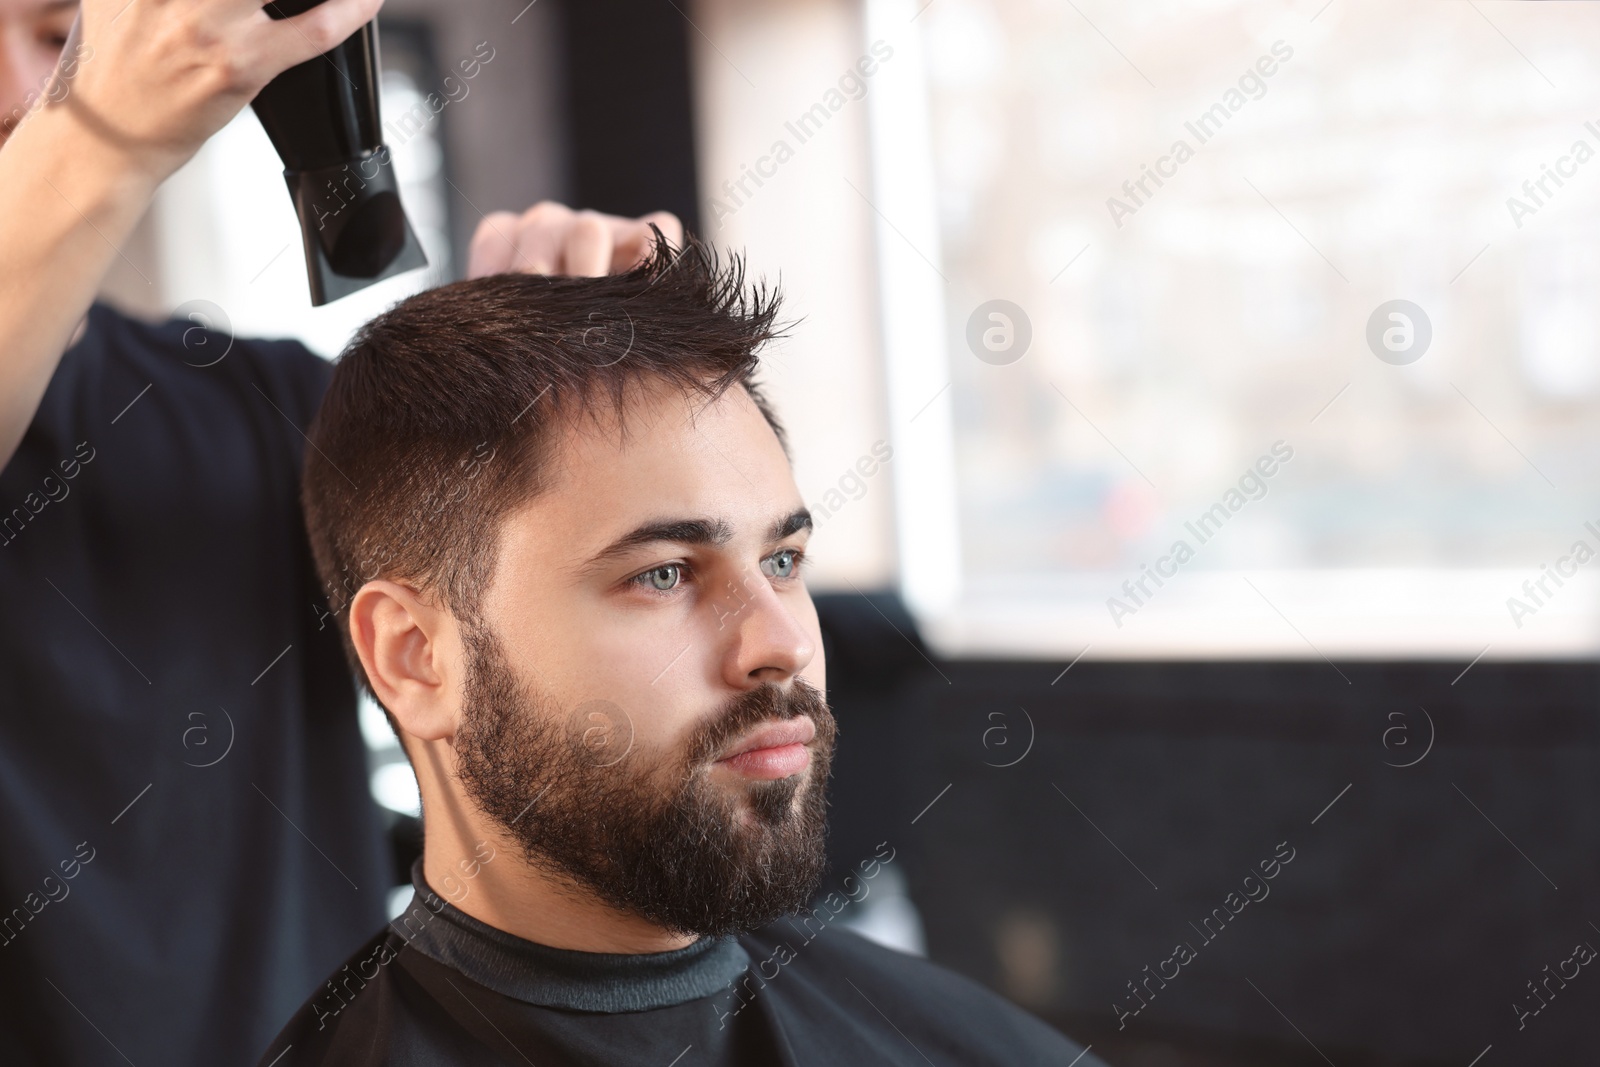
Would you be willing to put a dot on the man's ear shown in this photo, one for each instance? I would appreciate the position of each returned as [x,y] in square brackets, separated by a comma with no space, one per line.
[412,654]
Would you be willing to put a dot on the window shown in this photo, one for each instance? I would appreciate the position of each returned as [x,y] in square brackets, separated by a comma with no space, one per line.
[1200,423]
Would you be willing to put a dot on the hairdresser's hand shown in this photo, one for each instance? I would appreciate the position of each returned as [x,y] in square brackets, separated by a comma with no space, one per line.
[551,238]
[153,79]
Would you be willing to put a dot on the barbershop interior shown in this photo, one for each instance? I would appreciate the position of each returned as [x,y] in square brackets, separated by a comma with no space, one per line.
[1198,408]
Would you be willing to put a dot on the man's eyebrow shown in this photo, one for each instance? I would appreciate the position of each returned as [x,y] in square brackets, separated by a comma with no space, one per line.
[692,532]
[790,525]
[678,531]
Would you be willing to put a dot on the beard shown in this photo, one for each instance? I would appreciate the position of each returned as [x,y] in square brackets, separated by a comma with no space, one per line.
[647,833]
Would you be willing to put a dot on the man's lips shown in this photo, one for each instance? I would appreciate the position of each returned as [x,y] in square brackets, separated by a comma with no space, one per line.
[775,750]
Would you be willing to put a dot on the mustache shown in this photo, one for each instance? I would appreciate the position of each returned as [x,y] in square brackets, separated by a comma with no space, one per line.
[765,703]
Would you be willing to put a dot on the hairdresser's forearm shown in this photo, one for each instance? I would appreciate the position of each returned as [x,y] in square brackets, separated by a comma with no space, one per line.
[68,201]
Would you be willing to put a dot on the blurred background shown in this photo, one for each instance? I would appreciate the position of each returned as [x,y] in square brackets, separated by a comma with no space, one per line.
[1198,401]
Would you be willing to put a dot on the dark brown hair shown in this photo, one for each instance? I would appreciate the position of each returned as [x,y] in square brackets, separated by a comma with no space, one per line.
[443,411]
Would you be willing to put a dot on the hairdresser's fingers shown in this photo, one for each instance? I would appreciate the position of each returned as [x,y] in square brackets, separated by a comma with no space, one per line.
[285,43]
[551,237]
[530,242]
[152,81]
[586,251]
[541,232]
[493,246]
[634,238]
[668,224]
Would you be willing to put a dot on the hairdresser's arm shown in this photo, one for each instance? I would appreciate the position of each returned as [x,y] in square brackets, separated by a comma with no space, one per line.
[140,88]
[550,238]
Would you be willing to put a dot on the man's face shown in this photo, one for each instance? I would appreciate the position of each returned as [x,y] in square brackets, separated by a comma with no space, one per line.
[32,34]
[643,708]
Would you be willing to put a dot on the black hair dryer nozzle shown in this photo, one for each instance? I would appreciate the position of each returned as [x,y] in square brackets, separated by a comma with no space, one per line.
[322,117]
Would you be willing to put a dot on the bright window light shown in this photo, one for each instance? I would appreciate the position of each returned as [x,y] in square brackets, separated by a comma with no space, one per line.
[1251,329]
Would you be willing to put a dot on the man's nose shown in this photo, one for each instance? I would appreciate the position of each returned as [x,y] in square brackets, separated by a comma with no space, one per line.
[771,644]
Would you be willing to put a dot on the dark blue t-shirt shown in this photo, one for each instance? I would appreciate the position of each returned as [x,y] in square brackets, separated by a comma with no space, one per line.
[189,844]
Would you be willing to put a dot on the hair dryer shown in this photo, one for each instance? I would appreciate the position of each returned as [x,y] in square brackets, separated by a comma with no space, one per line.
[322,117]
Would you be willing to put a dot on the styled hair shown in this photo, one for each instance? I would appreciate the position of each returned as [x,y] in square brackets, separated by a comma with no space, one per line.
[444,412]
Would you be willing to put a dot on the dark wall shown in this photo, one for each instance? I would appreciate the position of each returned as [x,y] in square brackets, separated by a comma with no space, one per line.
[504,130]
[588,102]
[630,108]
[1406,926]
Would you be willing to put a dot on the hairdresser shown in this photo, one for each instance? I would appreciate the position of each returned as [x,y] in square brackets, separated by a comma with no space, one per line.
[188,843]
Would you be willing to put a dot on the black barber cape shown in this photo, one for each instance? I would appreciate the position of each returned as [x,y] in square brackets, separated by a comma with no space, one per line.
[188,839]
[439,987]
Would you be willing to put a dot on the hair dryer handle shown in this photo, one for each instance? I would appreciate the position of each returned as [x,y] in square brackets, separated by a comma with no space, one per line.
[322,117]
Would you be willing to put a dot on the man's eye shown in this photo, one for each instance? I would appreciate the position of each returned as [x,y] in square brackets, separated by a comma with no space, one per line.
[662,578]
[781,564]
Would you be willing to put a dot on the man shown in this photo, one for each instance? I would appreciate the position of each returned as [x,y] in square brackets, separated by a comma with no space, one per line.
[583,613]
[189,839]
